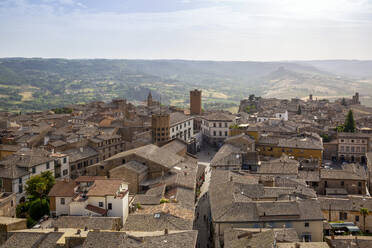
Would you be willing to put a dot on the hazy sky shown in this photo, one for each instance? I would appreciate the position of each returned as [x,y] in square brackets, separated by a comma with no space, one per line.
[187,29]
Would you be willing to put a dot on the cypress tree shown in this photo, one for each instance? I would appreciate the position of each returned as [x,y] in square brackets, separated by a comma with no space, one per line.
[349,125]
[299,110]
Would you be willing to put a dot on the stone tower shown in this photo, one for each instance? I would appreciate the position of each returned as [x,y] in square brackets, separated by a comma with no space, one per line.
[160,124]
[149,99]
[195,102]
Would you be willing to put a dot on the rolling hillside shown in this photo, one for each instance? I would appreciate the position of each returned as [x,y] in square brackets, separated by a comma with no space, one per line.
[36,84]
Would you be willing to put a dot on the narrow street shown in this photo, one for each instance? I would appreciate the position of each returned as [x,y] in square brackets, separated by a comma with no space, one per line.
[202,210]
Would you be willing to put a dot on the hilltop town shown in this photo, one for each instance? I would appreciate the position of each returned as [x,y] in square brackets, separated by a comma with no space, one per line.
[279,173]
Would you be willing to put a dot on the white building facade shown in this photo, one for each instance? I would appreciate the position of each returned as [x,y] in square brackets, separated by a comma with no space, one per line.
[105,197]
[215,127]
[181,126]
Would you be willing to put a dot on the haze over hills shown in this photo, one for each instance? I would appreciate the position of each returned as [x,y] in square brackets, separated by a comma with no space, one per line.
[28,84]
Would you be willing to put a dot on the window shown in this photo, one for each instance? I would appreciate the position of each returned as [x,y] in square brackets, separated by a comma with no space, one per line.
[72,167]
[65,172]
[307,224]
[352,149]
[11,204]
[64,160]
[220,133]
[342,148]
[33,170]
[220,124]
[20,180]
[356,218]
[20,189]
[225,133]
[342,183]
[306,237]
[91,161]
[214,124]
[47,165]
[123,161]
[100,204]
[225,124]
[360,184]
[62,201]
[172,129]
[343,216]
[110,206]
[184,125]
[214,133]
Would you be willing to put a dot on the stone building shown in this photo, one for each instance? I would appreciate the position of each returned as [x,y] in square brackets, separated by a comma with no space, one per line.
[215,127]
[352,147]
[347,210]
[8,204]
[351,179]
[195,102]
[160,125]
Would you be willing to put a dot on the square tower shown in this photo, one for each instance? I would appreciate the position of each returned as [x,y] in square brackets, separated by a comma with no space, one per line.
[195,102]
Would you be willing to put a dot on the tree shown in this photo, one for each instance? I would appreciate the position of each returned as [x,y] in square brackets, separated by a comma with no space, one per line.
[364,212]
[349,125]
[38,187]
[299,110]
[343,102]
[38,208]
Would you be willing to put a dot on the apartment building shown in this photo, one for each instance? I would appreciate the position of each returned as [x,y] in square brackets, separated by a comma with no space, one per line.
[215,127]
[181,126]
[90,196]
[16,169]
[352,147]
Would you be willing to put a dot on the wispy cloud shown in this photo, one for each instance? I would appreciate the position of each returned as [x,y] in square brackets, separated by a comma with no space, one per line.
[192,29]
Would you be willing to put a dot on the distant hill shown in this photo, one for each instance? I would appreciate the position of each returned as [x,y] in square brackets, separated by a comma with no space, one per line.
[29,84]
[351,68]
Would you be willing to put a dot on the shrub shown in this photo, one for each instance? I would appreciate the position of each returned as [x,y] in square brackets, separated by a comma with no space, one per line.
[163,200]
[30,222]
[38,208]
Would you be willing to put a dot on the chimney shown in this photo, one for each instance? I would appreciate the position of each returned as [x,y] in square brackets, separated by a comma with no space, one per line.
[166,231]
